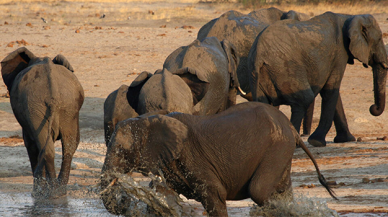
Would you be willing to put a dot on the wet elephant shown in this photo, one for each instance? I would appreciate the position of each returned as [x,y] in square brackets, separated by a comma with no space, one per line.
[46,98]
[214,158]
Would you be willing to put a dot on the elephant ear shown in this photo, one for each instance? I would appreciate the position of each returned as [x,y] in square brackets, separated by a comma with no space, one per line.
[166,139]
[134,89]
[14,63]
[197,82]
[233,61]
[359,45]
[61,60]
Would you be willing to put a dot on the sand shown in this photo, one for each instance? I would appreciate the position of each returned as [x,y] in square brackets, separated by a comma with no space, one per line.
[138,36]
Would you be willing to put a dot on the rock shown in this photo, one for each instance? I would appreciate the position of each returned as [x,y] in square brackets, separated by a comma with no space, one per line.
[11,44]
[187,27]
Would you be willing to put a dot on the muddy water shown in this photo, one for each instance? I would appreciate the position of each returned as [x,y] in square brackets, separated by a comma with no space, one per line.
[22,204]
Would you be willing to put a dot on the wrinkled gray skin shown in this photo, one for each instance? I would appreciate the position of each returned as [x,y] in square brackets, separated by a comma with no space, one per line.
[196,79]
[200,162]
[292,61]
[116,108]
[46,98]
[241,30]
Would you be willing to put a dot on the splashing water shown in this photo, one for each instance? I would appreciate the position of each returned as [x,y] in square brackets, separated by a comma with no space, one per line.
[160,199]
[299,206]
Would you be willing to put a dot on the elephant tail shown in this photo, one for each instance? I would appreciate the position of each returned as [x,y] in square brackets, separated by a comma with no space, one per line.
[321,178]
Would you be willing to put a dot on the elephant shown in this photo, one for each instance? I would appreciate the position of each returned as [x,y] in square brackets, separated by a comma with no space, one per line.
[241,31]
[197,79]
[292,61]
[45,97]
[116,108]
[242,152]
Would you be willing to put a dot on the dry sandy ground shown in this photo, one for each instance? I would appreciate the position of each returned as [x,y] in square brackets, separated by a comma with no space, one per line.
[135,37]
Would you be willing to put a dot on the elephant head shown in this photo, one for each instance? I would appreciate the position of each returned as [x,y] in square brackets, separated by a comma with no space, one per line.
[141,144]
[22,58]
[366,45]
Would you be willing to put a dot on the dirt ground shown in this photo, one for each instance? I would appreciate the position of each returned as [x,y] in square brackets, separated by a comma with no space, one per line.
[138,36]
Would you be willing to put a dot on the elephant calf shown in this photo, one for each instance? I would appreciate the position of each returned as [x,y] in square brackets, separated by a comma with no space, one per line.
[116,108]
[199,79]
[243,152]
[46,98]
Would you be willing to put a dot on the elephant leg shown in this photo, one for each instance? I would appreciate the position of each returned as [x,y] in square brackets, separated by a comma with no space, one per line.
[329,101]
[45,164]
[32,150]
[341,124]
[284,188]
[297,114]
[70,141]
[308,119]
[271,178]
[215,201]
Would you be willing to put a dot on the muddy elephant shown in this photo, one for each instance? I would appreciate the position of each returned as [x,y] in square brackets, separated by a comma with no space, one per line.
[205,157]
[46,98]
[116,108]
[241,30]
[196,79]
[291,62]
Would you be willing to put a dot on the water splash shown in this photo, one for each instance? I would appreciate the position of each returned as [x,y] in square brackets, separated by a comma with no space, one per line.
[299,206]
[161,200]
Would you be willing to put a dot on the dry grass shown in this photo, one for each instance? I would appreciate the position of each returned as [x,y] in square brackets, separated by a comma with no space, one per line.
[357,8]
[119,10]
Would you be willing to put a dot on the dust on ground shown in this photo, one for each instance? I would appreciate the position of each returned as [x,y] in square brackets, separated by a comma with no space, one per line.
[110,43]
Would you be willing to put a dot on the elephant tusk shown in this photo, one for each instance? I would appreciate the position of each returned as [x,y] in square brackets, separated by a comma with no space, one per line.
[241,91]
[110,185]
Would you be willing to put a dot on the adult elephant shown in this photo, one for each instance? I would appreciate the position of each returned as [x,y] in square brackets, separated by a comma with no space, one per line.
[291,62]
[46,98]
[200,162]
[196,79]
[241,31]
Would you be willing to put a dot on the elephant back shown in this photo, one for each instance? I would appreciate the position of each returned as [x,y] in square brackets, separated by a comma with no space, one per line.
[208,61]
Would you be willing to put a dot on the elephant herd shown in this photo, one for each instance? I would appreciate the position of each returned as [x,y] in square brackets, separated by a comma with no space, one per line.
[182,121]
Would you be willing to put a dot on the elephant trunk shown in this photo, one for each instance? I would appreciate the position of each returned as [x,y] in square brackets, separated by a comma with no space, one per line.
[379,82]
[113,196]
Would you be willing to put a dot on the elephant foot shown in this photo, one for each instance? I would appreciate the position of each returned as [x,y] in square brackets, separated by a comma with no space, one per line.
[316,141]
[347,137]
[58,192]
[39,188]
